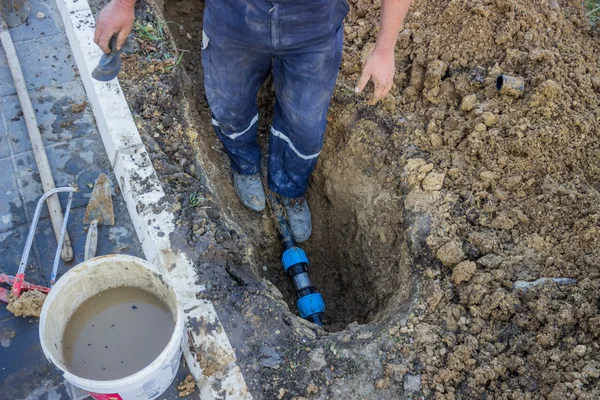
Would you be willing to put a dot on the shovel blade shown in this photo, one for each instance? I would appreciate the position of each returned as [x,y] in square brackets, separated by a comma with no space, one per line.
[100,206]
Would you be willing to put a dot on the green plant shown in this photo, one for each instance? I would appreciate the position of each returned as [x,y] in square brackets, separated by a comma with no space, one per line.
[195,199]
[592,9]
[149,31]
[170,67]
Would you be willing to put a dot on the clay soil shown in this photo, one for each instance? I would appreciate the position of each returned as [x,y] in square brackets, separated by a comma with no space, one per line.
[427,207]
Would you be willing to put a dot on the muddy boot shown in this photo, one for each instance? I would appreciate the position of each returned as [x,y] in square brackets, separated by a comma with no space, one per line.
[299,218]
[249,190]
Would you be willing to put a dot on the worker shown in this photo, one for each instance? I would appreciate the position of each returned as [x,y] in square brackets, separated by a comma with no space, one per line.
[300,42]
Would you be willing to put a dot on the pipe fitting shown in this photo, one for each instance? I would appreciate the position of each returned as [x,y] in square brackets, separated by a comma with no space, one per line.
[510,85]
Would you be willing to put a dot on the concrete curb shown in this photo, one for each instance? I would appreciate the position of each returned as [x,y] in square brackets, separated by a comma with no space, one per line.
[142,192]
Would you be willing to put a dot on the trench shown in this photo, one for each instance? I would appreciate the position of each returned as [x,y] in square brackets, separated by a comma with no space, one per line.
[358,250]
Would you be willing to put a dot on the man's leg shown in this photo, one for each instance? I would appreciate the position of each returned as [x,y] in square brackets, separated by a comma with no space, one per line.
[233,74]
[304,80]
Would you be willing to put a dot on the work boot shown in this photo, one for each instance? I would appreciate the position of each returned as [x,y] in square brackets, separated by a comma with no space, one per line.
[299,218]
[249,190]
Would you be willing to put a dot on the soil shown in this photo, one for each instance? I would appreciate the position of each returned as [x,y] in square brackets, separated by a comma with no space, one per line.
[187,387]
[427,208]
[29,304]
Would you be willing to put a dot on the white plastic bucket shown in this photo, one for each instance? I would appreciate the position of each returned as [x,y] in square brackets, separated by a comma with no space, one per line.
[90,278]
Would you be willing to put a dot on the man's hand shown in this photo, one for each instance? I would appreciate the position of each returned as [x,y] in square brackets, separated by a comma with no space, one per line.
[380,63]
[380,66]
[116,18]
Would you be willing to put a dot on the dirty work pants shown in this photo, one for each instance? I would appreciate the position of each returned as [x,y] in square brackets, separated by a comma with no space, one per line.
[301,42]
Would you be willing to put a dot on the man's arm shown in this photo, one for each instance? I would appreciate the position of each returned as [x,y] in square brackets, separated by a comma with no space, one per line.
[380,65]
[116,18]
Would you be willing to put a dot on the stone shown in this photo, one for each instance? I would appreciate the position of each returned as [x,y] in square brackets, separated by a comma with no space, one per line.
[502,221]
[451,254]
[426,168]
[433,181]
[437,141]
[395,371]
[412,383]
[312,388]
[490,261]
[426,333]
[463,272]
[317,359]
[489,119]
[40,15]
[480,127]
[484,242]
[414,164]
[591,371]
[488,176]
[468,102]
[580,350]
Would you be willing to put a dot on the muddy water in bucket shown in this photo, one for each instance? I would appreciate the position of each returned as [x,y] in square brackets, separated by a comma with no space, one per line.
[116,333]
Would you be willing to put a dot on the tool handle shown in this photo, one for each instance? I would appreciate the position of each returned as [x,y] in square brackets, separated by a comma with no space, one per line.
[91,242]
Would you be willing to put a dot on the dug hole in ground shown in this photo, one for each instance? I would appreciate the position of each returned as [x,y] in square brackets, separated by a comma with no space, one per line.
[427,208]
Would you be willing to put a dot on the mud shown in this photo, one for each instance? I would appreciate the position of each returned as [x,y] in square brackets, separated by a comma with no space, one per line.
[427,208]
[29,304]
[116,334]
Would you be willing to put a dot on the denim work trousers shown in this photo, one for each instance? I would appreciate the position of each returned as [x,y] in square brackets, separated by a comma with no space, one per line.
[301,41]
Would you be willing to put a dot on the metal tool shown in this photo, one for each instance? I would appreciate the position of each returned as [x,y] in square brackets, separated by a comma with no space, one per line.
[99,211]
[18,281]
[39,153]
[295,263]
[109,65]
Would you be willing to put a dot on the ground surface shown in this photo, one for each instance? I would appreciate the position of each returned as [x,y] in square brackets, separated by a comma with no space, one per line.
[77,156]
[427,208]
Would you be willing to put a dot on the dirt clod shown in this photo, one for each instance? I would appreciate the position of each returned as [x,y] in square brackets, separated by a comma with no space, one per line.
[187,386]
[29,304]
[463,272]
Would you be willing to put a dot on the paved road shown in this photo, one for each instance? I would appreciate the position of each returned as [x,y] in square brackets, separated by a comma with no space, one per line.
[76,156]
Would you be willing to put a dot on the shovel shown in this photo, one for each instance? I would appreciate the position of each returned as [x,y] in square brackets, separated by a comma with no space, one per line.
[99,211]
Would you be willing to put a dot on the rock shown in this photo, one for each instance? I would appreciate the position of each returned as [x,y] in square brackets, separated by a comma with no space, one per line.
[395,371]
[580,350]
[433,181]
[383,383]
[40,15]
[468,102]
[437,141]
[591,371]
[426,333]
[317,359]
[480,127]
[488,176]
[413,164]
[489,119]
[312,388]
[490,261]
[451,254]
[270,357]
[463,272]
[502,221]
[484,242]
[426,168]
[412,383]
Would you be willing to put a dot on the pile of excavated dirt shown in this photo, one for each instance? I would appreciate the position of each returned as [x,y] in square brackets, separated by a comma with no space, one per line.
[510,183]
[427,209]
